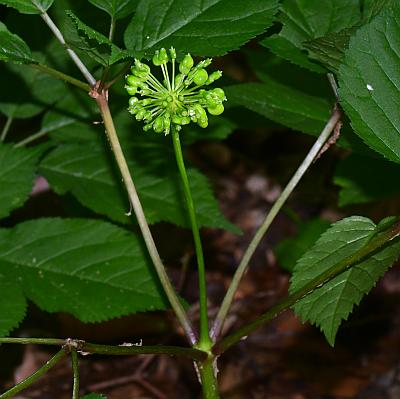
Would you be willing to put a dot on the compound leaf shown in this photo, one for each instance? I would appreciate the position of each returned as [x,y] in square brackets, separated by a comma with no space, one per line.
[12,306]
[89,268]
[201,27]
[332,303]
[29,6]
[369,82]
[17,172]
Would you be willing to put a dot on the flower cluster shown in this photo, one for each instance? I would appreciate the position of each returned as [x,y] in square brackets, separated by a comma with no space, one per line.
[175,101]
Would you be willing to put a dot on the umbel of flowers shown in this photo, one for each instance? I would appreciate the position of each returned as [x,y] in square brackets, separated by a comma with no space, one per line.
[179,99]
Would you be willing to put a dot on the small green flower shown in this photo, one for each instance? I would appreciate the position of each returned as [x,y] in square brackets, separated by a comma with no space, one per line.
[176,101]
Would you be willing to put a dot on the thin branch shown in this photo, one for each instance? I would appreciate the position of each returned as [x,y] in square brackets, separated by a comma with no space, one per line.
[60,75]
[308,160]
[141,218]
[35,376]
[75,371]
[6,128]
[375,243]
[204,334]
[81,66]
[118,350]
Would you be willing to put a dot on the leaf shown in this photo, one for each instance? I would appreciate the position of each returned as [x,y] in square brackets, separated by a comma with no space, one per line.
[289,251]
[201,27]
[304,20]
[329,50]
[86,171]
[94,396]
[12,306]
[369,83]
[88,268]
[364,179]
[282,104]
[328,305]
[26,91]
[13,48]
[17,172]
[29,6]
[93,43]
[116,8]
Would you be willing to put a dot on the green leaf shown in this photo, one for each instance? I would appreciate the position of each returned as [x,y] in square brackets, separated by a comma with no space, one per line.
[86,171]
[94,396]
[93,43]
[12,306]
[26,91]
[369,83]
[89,268]
[29,6]
[364,179]
[17,172]
[13,48]
[282,104]
[289,251]
[328,305]
[329,49]
[201,27]
[304,20]
[116,8]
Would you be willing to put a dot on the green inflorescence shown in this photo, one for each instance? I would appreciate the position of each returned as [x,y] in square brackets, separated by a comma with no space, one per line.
[176,101]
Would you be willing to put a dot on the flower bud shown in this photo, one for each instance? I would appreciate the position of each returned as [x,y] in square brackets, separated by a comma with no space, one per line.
[172,53]
[186,65]
[158,125]
[220,93]
[132,90]
[200,77]
[218,110]
[213,77]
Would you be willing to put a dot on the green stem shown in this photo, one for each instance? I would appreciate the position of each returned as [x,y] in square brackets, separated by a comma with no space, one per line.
[204,341]
[116,350]
[75,371]
[81,66]
[375,243]
[6,128]
[60,75]
[208,379]
[308,160]
[36,375]
[144,227]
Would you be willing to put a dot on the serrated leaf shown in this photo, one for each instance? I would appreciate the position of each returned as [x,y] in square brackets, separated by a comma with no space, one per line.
[201,27]
[13,48]
[86,170]
[332,303]
[93,43]
[88,268]
[304,20]
[364,179]
[12,306]
[369,82]
[17,172]
[289,251]
[28,6]
[116,8]
[282,104]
